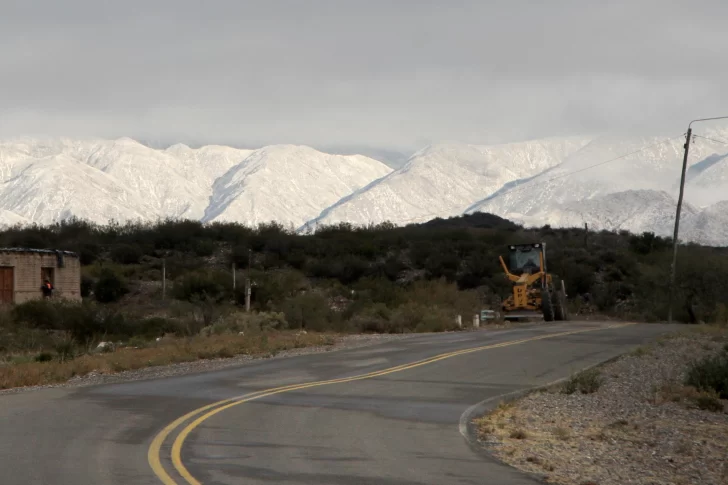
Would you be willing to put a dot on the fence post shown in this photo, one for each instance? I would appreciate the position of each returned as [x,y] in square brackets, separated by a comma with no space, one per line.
[476,321]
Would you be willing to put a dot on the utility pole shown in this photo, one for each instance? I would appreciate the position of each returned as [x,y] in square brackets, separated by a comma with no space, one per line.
[247,283]
[586,234]
[164,278]
[673,266]
[234,285]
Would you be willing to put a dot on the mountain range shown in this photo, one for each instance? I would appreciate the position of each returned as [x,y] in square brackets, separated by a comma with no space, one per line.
[608,182]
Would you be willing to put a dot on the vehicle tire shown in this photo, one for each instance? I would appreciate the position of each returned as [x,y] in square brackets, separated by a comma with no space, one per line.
[547,307]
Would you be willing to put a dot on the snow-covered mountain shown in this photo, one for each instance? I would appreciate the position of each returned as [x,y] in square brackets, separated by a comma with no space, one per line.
[443,180]
[47,180]
[615,183]
[288,184]
[709,226]
[609,182]
[638,210]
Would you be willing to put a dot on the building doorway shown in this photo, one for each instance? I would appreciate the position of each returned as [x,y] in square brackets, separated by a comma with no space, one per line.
[7,284]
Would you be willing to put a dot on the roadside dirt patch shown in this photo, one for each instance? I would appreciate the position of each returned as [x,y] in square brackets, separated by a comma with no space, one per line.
[633,421]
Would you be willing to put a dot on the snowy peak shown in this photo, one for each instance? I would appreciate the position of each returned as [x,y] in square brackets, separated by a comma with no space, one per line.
[610,182]
[289,184]
[443,180]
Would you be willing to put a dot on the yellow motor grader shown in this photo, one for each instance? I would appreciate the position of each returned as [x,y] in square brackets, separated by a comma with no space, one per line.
[534,293]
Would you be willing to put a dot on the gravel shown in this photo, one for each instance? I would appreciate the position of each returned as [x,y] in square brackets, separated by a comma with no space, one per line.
[206,365]
[639,428]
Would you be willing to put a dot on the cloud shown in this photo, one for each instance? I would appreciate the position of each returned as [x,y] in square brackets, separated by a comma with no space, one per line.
[381,73]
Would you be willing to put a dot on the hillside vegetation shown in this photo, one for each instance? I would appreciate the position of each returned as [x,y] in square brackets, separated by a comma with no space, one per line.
[340,279]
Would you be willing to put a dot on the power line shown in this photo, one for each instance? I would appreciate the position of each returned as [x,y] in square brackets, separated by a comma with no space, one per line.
[711,139]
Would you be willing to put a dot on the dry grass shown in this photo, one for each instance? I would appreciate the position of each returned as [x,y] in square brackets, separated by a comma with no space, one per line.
[165,352]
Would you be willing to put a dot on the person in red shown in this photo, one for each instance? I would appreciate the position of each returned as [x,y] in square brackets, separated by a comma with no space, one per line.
[47,289]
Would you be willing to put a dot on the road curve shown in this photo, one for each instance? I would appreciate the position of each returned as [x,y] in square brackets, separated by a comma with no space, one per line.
[386,414]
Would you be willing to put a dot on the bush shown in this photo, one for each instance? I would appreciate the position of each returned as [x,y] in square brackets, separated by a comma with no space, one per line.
[586,382]
[423,318]
[44,357]
[82,321]
[126,254]
[710,375]
[110,287]
[309,311]
[376,318]
[709,402]
[200,286]
[246,322]
[87,285]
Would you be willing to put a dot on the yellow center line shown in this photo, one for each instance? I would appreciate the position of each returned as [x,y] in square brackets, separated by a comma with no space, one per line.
[211,410]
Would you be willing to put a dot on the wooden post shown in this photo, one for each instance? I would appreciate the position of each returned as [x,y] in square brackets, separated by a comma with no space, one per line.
[234,282]
[586,235]
[164,278]
[247,294]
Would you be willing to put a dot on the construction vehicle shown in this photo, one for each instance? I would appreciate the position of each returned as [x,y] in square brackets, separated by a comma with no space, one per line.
[534,293]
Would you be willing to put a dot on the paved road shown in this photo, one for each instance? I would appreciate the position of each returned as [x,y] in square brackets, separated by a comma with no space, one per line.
[384,420]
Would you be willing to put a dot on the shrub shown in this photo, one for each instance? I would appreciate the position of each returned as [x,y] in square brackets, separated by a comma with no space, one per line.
[110,287]
[375,318]
[82,321]
[710,374]
[308,311]
[709,402]
[87,285]
[44,357]
[518,434]
[586,382]
[126,254]
[246,322]
[422,318]
[200,286]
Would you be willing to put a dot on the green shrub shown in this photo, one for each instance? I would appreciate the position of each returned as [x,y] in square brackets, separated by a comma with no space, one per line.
[201,286]
[248,322]
[709,402]
[82,321]
[375,318]
[87,285]
[586,382]
[126,254]
[308,311]
[418,317]
[710,374]
[110,287]
[44,357]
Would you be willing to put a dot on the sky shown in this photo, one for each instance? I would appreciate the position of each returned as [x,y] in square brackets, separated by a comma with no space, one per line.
[389,75]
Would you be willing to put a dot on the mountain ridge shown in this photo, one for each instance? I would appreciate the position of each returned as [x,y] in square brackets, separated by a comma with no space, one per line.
[618,182]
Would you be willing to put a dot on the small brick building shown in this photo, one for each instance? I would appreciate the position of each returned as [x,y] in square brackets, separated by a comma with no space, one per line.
[23,271]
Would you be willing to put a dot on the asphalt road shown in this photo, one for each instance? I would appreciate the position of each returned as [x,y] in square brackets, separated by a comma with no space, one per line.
[395,414]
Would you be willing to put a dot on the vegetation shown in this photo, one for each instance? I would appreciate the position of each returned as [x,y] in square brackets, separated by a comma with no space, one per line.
[340,279]
[586,382]
[710,374]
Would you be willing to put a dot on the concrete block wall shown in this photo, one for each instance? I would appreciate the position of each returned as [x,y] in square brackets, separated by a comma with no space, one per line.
[28,275]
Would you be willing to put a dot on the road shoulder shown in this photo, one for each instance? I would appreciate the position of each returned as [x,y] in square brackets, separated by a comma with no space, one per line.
[632,418]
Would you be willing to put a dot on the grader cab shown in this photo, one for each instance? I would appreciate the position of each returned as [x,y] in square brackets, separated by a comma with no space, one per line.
[534,293]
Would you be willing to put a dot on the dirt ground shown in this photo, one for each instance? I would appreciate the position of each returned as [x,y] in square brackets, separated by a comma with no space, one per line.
[632,421]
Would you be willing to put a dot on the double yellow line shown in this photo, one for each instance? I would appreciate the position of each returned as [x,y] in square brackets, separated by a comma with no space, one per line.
[206,412]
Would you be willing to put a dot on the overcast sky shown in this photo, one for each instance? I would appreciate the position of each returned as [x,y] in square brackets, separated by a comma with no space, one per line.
[394,74]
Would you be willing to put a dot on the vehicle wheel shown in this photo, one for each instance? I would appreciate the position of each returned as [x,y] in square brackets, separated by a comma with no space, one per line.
[547,307]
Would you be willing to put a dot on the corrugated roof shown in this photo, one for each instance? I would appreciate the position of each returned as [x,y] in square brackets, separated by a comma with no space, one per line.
[38,251]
